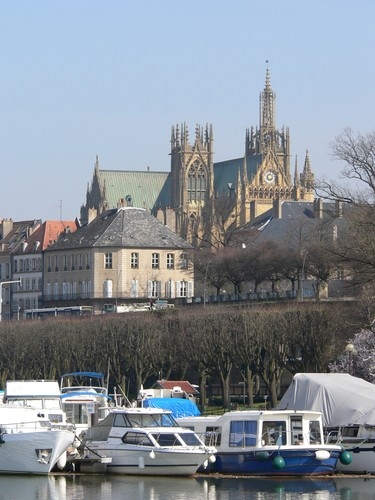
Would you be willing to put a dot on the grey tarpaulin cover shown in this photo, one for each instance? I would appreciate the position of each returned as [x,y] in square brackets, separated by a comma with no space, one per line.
[341,398]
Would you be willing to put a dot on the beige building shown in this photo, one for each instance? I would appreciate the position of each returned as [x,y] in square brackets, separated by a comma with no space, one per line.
[123,255]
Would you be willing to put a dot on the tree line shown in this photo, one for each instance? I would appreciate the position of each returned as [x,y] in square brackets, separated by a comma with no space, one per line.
[208,345]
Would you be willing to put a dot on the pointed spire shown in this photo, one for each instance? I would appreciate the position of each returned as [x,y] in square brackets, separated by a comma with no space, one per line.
[267,102]
[96,164]
[307,167]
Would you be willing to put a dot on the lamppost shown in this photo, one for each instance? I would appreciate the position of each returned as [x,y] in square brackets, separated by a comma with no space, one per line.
[351,350]
[1,292]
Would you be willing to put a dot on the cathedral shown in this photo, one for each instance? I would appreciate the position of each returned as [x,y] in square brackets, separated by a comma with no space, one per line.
[200,199]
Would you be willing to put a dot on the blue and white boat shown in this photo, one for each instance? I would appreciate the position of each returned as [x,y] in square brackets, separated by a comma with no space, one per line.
[287,443]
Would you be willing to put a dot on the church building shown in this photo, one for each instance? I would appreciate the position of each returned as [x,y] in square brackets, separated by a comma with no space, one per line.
[201,199]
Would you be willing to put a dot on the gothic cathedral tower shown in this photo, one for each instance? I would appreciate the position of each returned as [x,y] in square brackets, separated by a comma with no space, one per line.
[192,179]
[251,184]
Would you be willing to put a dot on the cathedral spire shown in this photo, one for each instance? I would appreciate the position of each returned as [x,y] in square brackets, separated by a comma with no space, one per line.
[267,105]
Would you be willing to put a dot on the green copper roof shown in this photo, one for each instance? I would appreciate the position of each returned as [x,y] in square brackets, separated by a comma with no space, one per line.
[147,190]
[228,171]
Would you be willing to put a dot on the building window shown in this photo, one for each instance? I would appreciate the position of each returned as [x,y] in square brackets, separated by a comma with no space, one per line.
[15,266]
[170,260]
[34,264]
[49,264]
[56,263]
[108,261]
[88,261]
[155,261]
[182,289]
[154,289]
[196,182]
[134,260]
[80,261]
[65,262]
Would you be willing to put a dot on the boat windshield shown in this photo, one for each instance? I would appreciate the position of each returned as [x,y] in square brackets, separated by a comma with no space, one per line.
[190,439]
[167,439]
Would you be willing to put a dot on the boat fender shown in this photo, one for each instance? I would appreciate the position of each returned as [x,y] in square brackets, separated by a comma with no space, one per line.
[279,462]
[61,462]
[205,464]
[212,459]
[345,457]
[322,454]
[152,454]
[262,455]
[141,462]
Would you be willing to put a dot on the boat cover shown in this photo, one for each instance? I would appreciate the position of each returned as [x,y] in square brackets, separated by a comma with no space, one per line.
[178,406]
[340,397]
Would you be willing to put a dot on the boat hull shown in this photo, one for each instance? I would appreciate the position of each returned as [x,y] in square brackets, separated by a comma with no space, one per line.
[146,462]
[33,452]
[291,462]
[363,458]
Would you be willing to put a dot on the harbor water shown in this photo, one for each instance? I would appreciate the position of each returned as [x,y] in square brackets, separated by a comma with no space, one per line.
[101,487]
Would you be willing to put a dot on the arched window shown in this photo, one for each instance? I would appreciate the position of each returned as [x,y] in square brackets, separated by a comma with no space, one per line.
[196,185]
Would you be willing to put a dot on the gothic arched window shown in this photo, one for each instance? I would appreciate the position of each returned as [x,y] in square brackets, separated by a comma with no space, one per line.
[196,185]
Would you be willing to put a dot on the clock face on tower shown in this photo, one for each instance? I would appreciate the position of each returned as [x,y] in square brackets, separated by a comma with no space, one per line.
[269,177]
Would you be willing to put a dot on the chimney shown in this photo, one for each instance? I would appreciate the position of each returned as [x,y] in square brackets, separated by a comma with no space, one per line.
[6,227]
[91,215]
[318,208]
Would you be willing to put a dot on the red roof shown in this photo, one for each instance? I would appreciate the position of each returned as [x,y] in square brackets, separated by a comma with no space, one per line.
[183,384]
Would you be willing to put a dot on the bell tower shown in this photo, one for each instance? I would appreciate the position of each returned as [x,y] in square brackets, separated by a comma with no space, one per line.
[192,177]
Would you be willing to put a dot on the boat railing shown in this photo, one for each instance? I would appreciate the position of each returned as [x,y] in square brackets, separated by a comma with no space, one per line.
[210,438]
[84,388]
[32,426]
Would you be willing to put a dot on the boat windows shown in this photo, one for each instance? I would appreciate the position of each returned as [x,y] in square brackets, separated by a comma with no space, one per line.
[150,420]
[167,439]
[243,433]
[190,439]
[314,431]
[137,438]
[274,433]
[296,430]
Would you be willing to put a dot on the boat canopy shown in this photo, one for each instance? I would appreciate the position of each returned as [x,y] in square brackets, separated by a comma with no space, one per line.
[340,397]
[178,406]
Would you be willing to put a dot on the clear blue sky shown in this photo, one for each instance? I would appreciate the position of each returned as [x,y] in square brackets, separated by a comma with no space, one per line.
[81,78]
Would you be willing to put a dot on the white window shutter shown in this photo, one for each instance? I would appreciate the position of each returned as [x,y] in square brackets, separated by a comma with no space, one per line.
[178,289]
[190,290]
[149,289]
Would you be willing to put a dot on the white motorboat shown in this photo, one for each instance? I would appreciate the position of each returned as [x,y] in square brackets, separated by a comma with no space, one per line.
[268,443]
[28,442]
[142,441]
[43,395]
[348,407]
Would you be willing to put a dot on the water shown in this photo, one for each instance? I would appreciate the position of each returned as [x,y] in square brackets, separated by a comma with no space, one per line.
[100,487]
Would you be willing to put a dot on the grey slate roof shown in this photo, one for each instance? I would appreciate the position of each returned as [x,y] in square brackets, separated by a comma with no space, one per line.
[298,221]
[127,227]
